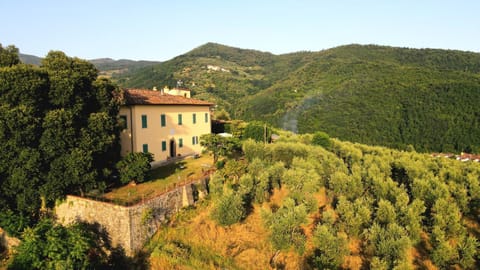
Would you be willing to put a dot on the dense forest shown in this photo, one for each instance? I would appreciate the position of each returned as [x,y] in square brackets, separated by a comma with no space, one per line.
[396,97]
[295,204]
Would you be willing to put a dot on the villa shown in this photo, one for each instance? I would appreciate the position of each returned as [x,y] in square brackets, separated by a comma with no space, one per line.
[166,123]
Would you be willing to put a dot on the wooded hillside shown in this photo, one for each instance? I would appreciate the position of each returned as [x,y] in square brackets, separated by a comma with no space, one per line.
[378,95]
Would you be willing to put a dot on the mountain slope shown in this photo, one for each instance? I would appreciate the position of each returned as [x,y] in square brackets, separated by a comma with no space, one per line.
[30,59]
[106,66]
[390,96]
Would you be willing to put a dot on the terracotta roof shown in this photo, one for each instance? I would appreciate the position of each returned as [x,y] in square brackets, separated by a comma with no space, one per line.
[149,97]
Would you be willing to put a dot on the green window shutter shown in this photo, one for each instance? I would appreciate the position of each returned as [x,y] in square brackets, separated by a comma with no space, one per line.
[193,140]
[144,121]
[194,117]
[180,142]
[179,118]
[206,117]
[145,148]
[163,120]
[164,146]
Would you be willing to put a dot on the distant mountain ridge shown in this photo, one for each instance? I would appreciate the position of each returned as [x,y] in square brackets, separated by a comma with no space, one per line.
[30,59]
[426,98]
[106,66]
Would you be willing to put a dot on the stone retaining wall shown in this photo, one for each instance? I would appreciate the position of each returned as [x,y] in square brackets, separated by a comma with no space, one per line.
[130,227]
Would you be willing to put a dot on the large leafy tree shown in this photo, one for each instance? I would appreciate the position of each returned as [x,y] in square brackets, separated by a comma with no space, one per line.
[83,120]
[51,246]
[58,131]
[8,56]
[219,146]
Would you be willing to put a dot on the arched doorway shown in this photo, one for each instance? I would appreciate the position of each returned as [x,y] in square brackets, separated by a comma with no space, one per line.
[173,148]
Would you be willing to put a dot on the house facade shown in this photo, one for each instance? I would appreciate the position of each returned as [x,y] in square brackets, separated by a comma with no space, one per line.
[163,124]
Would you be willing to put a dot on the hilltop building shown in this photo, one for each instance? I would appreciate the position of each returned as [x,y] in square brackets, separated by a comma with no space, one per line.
[166,123]
[184,92]
[461,157]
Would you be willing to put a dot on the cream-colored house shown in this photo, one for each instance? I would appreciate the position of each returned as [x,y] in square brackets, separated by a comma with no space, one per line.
[163,124]
[177,91]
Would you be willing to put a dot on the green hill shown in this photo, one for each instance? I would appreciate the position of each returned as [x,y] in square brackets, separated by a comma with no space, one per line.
[380,95]
[106,66]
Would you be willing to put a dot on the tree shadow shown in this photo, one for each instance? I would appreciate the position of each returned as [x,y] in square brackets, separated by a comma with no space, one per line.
[118,260]
[109,257]
[166,170]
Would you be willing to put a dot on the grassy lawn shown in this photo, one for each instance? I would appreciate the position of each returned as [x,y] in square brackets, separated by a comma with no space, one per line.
[160,180]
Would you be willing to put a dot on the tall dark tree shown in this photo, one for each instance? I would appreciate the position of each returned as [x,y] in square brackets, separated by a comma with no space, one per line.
[58,131]
[80,137]
[8,56]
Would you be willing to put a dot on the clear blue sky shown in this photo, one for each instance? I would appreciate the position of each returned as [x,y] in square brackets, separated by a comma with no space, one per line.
[161,30]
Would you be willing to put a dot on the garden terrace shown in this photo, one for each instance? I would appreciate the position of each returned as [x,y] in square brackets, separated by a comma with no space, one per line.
[160,180]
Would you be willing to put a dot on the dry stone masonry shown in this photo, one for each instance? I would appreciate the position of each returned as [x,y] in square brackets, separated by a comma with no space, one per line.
[130,227]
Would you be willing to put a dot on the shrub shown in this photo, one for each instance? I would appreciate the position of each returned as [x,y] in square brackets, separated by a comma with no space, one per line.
[222,115]
[13,224]
[321,138]
[52,246]
[330,248]
[134,167]
[285,226]
[253,149]
[258,131]
[229,209]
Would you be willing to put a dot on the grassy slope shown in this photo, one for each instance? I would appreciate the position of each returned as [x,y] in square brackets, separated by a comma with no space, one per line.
[193,241]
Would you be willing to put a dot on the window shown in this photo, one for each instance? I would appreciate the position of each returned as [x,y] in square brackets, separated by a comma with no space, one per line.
[179,118]
[163,120]
[145,148]
[123,122]
[206,117]
[195,140]
[194,117]
[180,142]
[164,146]
[144,121]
